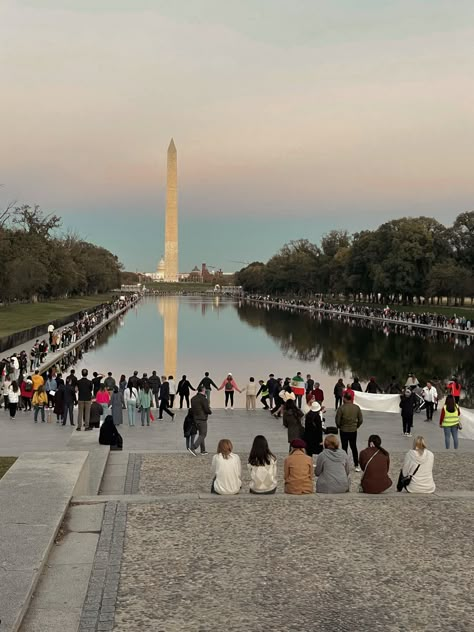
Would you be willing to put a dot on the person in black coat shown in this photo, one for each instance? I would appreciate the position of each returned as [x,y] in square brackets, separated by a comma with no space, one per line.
[189,429]
[184,388]
[356,385]
[69,399]
[313,430]
[109,435]
[407,405]
[165,398]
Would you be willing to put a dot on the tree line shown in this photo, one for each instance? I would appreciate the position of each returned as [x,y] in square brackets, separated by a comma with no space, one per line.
[402,260]
[37,263]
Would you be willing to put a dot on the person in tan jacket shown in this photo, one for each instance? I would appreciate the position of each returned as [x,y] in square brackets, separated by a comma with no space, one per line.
[298,470]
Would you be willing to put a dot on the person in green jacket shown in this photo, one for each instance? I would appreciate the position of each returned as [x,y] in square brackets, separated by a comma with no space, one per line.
[145,399]
[348,420]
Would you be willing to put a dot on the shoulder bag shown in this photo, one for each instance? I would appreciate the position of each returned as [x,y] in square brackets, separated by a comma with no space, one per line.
[404,481]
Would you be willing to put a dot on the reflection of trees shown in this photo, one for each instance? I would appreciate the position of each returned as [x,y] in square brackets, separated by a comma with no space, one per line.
[364,347]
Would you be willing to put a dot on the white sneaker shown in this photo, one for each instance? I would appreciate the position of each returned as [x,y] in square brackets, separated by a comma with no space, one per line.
[232,408]
[227,408]
[357,469]
[409,434]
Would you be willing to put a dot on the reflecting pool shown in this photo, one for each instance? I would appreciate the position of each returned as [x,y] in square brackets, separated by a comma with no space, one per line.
[188,335]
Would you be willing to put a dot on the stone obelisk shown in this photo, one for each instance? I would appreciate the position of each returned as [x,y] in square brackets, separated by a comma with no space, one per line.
[171,220]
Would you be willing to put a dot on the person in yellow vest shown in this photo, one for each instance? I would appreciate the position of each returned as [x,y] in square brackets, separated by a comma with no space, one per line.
[449,421]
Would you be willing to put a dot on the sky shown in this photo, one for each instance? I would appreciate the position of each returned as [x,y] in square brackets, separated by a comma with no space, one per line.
[290,118]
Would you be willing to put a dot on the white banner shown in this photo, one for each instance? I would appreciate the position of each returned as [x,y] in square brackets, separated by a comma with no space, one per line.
[391,404]
[467,423]
[378,403]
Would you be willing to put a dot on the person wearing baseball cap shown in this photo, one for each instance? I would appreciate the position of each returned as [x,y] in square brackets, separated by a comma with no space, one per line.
[298,470]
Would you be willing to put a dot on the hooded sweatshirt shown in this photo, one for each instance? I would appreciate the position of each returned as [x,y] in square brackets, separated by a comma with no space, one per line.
[332,470]
[422,482]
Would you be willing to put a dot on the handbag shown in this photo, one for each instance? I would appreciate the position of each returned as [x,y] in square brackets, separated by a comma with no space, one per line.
[404,481]
[365,469]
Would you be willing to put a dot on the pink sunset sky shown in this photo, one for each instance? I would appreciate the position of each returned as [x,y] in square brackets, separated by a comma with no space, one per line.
[290,118]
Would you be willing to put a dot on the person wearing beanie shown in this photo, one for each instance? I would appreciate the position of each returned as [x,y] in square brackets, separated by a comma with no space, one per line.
[332,468]
[298,469]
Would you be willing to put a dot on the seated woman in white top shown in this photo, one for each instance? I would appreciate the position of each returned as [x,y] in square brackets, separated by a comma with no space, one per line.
[422,478]
[226,469]
[262,467]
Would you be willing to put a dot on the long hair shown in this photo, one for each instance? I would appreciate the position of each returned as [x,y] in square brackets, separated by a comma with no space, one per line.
[377,443]
[450,404]
[419,444]
[14,386]
[260,454]
[224,447]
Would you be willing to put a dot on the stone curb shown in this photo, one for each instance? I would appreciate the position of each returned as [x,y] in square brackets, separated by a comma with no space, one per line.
[132,480]
[98,611]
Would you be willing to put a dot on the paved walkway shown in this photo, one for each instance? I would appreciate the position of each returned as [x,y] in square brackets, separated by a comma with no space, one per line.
[168,557]
[23,435]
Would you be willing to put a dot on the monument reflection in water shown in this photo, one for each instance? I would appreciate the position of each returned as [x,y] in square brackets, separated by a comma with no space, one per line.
[168,308]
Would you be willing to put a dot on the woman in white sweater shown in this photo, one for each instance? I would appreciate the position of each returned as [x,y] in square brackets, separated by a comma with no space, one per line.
[226,469]
[130,398]
[262,466]
[422,478]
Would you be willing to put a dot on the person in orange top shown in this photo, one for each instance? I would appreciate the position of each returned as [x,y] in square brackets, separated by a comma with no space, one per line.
[37,380]
[299,470]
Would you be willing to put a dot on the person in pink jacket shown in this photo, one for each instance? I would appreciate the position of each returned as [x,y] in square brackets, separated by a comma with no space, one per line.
[229,387]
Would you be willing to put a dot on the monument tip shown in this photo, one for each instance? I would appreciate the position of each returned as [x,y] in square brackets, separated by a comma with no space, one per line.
[172,146]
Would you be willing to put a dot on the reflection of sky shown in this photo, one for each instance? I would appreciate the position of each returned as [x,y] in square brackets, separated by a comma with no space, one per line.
[217,341]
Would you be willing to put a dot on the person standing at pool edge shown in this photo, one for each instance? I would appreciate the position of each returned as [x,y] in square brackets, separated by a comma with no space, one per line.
[348,420]
[207,383]
[229,385]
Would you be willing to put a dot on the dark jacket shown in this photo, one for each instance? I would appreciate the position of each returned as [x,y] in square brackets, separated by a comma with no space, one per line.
[108,434]
[84,390]
[292,420]
[189,425]
[407,405]
[95,414]
[69,394]
[184,387]
[155,383]
[375,479]
[349,417]
[165,392]
[207,383]
[272,385]
[200,407]
[356,386]
[373,387]
[313,433]
[339,389]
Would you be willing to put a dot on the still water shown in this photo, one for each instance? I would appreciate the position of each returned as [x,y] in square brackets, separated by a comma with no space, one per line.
[188,335]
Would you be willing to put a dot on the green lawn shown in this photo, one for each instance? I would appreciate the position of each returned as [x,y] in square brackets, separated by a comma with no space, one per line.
[21,316]
[5,464]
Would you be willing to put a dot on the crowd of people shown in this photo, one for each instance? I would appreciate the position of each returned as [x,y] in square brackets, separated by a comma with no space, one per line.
[23,362]
[332,468]
[439,321]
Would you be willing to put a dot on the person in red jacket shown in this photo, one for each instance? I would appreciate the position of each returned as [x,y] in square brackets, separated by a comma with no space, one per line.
[454,387]
[350,392]
[26,392]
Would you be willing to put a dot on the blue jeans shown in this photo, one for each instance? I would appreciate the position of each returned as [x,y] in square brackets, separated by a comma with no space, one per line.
[448,431]
[131,409]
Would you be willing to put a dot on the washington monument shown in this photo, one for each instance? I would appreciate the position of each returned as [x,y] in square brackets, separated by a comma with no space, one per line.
[171,219]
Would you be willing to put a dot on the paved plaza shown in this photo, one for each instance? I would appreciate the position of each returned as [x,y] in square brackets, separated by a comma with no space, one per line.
[163,555]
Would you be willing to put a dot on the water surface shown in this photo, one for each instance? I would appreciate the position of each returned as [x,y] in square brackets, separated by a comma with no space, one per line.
[188,335]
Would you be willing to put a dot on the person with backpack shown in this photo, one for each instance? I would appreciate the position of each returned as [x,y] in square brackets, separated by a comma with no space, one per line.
[229,385]
[375,464]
